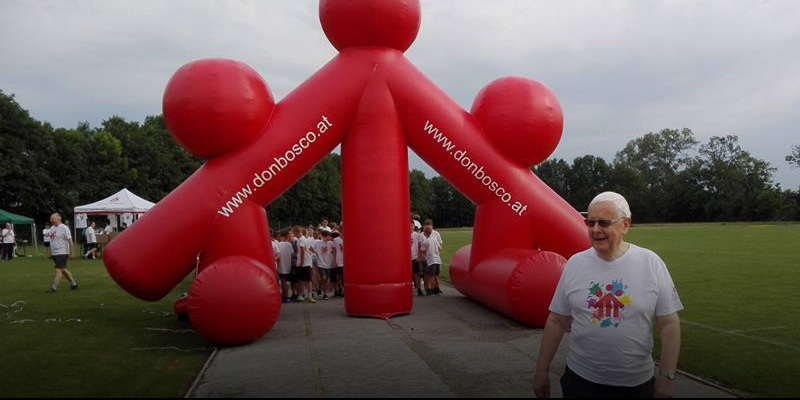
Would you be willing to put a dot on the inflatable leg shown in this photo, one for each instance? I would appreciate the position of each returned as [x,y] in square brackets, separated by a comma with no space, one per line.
[518,283]
[245,233]
[375,202]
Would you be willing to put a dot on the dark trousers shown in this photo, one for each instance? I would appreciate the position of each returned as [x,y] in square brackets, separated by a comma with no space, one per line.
[8,251]
[575,387]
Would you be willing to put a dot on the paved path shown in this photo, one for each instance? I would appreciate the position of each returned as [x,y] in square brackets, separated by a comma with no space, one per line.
[449,347]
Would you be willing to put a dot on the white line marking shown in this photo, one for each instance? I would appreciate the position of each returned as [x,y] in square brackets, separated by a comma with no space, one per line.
[741,335]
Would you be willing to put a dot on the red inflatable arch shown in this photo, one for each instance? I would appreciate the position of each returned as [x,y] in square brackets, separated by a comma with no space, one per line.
[375,103]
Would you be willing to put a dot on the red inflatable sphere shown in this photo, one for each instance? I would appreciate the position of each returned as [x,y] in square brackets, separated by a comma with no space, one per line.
[522,117]
[234,301]
[215,106]
[383,23]
[532,286]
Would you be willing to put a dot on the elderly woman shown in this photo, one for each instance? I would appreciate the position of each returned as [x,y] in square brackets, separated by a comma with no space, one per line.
[607,300]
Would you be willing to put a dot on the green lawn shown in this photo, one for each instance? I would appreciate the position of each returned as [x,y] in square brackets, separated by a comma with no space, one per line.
[109,353]
[737,283]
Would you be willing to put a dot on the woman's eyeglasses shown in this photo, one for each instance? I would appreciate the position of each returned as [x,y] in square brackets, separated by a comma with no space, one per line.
[604,223]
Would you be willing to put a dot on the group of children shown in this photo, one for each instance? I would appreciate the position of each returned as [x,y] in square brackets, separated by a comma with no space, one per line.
[310,261]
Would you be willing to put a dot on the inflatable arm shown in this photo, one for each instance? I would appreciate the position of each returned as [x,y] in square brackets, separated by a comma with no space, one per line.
[486,155]
[152,256]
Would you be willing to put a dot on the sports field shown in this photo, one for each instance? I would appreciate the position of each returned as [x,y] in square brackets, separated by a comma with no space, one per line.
[95,342]
[738,283]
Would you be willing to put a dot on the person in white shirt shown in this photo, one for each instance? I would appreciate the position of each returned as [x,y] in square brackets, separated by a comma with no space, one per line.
[338,271]
[285,266]
[8,240]
[434,232]
[431,250]
[325,225]
[325,259]
[46,236]
[108,229]
[304,263]
[608,299]
[416,238]
[292,238]
[438,237]
[276,251]
[315,234]
[61,248]
[416,218]
[91,242]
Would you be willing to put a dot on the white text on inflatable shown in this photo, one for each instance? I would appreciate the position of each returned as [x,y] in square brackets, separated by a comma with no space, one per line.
[476,170]
[277,165]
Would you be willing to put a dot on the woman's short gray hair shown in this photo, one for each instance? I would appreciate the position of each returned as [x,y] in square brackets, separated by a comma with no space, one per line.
[617,199]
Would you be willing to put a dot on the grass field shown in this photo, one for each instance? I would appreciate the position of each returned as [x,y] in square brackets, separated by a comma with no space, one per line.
[109,353]
[737,282]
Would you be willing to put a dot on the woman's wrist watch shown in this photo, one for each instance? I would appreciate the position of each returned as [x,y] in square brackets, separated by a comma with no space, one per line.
[667,374]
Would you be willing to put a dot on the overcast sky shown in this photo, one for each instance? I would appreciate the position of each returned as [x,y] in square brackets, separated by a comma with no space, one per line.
[619,68]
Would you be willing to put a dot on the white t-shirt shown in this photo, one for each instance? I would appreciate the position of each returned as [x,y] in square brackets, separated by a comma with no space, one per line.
[276,252]
[108,229]
[324,254]
[59,240]
[312,246]
[8,235]
[613,306]
[285,263]
[46,235]
[339,243]
[432,252]
[438,237]
[304,243]
[416,237]
[91,236]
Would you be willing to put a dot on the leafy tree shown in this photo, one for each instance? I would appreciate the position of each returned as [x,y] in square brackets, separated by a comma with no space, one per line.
[317,195]
[794,157]
[739,185]
[43,170]
[657,159]
[26,149]
[451,208]
[588,177]
[157,163]
[421,193]
[555,173]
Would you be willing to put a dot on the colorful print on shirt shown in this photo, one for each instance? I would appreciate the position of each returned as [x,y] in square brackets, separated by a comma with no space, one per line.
[608,302]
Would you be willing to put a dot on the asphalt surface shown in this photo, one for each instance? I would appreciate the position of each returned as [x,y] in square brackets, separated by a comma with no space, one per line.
[448,347]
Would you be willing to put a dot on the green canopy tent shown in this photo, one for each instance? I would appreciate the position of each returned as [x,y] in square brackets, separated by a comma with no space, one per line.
[6,217]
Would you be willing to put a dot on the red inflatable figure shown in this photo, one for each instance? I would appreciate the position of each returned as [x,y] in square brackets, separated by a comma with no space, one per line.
[375,103]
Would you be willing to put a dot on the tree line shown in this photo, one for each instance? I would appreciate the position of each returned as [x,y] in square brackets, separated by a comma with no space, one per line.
[668,176]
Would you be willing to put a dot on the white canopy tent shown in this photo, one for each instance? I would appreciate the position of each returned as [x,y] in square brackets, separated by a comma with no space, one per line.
[123,204]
